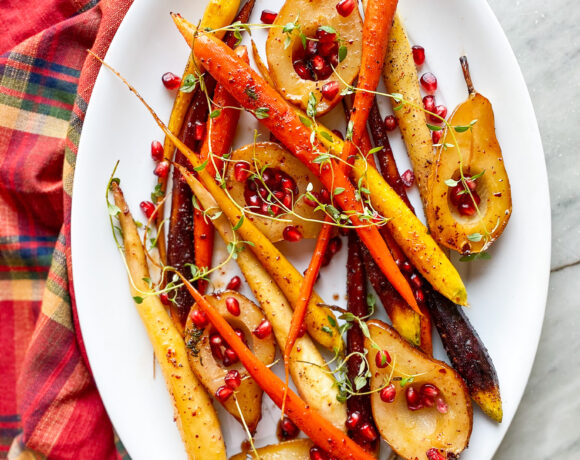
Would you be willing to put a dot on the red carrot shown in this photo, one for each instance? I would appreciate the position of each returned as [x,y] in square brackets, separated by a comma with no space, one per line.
[358,406]
[316,427]
[276,114]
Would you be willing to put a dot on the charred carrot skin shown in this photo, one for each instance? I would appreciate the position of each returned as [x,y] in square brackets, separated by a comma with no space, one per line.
[467,353]
[357,305]
[316,427]
[180,236]
[281,119]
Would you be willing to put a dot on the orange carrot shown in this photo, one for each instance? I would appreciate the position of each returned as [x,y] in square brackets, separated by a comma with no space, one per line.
[379,16]
[277,115]
[314,425]
[221,132]
[304,298]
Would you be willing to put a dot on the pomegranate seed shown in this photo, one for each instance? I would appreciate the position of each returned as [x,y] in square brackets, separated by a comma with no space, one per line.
[330,90]
[310,202]
[407,267]
[241,171]
[471,184]
[268,16]
[287,429]
[418,55]
[170,80]
[430,390]
[429,82]
[434,454]
[436,137]
[148,208]
[353,420]
[324,36]
[302,70]
[419,296]
[234,284]
[233,379]
[233,306]
[382,358]
[441,406]
[162,169]
[368,432]
[390,122]
[287,184]
[292,234]
[337,133]
[324,196]
[156,151]
[253,201]
[311,48]
[216,340]
[328,49]
[263,330]
[413,399]
[164,298]
[333,59]
[388,393]
[231,357]
[287,200]
[223,393]
[316,453]
[429,103]
[440,111]
[199,318]
[320,67]
[408,178]
[345,7]
[416,280]
[199,130]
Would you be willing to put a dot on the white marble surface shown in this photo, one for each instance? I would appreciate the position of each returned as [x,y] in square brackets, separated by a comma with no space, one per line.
[546,40]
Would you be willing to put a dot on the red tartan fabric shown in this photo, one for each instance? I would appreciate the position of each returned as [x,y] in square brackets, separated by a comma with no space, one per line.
[48,400]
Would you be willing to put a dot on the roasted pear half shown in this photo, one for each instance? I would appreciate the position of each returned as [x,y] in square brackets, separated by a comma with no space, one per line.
[211,371]
[469,215]
[309,39]
[268,180]
[298,449]
[430,406]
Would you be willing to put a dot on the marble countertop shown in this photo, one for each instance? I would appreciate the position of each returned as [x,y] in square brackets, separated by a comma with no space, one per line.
[545,38]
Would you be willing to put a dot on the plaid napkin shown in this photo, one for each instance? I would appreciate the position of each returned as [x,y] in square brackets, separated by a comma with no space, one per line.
[49,405]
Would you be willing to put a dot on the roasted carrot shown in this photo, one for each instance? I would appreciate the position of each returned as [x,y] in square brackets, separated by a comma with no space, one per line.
[356,290]
[390,172]
[316,427]
[304,298]
[243,16]
[218,13]
[221,130]
[280,118]
[379,16]
[365,140]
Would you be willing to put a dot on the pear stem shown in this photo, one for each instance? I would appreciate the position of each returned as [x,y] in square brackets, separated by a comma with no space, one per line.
[466,74]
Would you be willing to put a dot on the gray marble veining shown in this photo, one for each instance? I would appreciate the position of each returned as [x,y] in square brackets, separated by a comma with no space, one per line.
[545,37]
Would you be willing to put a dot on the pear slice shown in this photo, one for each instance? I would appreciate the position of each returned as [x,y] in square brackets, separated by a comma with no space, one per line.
[298,449]
[412,433]
[482,158]
[272,155]
[310,15]
[211,373]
